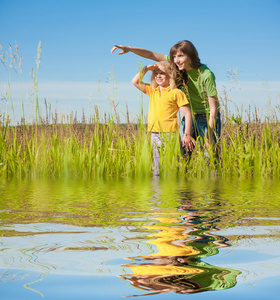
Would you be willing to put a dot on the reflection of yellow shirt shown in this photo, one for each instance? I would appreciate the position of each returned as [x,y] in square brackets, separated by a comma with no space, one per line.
[164,241]
[167,237]
[163,108]
[164,270]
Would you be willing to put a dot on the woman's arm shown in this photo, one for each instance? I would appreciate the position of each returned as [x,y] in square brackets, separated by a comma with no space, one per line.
[139,51]
[187,141]
[213,105]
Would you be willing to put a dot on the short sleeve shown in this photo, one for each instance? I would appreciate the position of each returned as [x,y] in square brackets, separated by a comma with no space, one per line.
[149,89]
[210,84]
[181,98]
[167,57]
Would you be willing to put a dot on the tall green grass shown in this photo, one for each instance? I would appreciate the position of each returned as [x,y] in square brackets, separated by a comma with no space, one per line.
[102,146]
[74,149]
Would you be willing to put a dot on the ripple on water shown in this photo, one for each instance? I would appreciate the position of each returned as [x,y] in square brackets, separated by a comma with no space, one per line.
[152,234]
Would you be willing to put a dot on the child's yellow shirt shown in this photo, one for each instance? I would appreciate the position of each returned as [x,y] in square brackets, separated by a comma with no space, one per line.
[163,108]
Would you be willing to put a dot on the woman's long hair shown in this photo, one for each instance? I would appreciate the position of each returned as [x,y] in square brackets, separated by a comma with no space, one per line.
[187,47]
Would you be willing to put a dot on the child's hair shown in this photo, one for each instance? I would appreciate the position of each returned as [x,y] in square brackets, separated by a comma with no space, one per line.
[166,66]
[187,47]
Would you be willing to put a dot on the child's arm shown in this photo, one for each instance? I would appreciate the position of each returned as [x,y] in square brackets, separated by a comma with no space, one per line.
[187,141]
[137,80]
[139,51]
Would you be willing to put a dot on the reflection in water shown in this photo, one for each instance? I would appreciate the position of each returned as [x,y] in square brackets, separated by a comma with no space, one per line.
[158,239]
[177,266]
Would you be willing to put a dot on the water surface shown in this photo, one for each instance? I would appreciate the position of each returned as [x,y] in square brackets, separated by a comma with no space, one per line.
[114,238]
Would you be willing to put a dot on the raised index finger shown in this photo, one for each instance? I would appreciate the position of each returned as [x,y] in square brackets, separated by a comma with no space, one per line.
[114,48]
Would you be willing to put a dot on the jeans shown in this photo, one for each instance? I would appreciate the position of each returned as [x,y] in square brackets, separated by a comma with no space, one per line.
[200,127]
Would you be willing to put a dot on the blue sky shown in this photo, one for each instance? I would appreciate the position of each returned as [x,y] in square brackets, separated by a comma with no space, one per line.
[76,37]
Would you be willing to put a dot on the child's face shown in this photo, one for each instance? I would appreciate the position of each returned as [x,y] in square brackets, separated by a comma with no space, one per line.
[162,78]
[181,60]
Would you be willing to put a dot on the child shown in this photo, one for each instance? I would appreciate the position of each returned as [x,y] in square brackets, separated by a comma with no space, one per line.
[165,101]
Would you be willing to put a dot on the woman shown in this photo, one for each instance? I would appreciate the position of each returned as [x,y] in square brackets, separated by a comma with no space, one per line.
[196,80]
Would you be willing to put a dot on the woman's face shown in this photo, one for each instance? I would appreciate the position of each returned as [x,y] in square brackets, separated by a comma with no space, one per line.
[182,61]
[161,78]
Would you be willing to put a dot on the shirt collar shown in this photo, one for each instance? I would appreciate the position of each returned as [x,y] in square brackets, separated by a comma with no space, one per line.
[164,89]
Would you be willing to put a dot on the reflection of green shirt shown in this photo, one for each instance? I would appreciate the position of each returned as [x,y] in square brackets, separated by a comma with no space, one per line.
[202,84]
[215,278]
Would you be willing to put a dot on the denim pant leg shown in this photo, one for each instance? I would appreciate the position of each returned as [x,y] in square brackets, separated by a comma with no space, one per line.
[200,127]
[217,132]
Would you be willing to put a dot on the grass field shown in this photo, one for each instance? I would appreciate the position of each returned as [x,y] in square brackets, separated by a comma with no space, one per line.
[100,146]
[95,148]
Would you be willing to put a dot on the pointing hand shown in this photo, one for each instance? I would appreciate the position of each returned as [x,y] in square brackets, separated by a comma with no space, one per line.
[125,49]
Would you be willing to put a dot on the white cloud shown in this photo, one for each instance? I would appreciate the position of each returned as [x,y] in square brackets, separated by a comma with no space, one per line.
[67,89]
[265,96]
[66,97]
[268,86]
[69,97]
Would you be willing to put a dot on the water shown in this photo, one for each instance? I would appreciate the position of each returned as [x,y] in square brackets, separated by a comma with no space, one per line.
[94,239]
